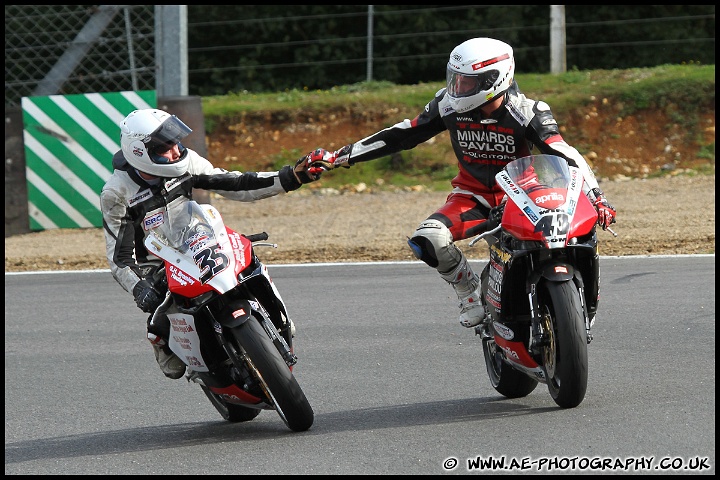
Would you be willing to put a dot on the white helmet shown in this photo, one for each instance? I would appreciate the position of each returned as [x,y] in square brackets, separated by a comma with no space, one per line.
[145,133]
[479,70]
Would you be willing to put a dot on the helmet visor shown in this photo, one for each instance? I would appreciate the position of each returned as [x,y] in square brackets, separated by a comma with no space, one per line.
[166,136]
[464,85]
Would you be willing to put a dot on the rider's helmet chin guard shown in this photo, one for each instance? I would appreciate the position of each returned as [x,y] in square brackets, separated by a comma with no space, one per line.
[144,134]
[479,70]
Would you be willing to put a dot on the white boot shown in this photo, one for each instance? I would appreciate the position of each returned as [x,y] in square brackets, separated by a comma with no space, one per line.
[466,284]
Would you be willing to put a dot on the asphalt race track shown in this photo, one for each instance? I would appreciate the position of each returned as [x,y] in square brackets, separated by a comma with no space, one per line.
[397,385]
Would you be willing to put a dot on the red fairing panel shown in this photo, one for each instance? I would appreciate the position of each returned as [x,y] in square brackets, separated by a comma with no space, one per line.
[516,352]
[242,250]
[183,284]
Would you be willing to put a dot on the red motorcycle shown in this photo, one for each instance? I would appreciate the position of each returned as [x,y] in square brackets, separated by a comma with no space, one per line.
[541,284]
[227,321]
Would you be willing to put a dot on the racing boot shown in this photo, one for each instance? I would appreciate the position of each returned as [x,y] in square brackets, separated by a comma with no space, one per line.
[169,363]
[466,284]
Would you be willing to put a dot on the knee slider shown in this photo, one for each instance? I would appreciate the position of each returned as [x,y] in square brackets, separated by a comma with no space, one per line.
[433,244]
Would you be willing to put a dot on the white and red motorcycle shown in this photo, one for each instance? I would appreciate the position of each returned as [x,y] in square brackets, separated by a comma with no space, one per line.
[228,322]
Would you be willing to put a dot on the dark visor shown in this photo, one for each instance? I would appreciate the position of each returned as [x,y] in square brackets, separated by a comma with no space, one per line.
[167,135]
[465,85]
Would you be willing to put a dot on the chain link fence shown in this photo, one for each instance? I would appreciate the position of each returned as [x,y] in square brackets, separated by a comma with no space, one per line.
[73,49]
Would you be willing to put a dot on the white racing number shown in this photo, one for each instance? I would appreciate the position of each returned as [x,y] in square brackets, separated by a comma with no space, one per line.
[554,226]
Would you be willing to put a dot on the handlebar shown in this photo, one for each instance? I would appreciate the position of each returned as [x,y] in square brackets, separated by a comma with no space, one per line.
[257,237]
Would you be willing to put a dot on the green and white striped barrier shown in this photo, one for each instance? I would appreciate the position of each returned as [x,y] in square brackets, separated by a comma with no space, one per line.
[69,144]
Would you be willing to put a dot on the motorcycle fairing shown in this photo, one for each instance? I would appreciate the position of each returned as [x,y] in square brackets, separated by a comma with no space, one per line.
[262,286]
[497,267]
[198,255]
[517,355]
[184,283]
[551,220]
[241,248]
[235,395]
[185,342]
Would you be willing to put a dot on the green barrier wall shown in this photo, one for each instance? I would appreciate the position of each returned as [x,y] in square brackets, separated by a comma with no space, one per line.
[69,144]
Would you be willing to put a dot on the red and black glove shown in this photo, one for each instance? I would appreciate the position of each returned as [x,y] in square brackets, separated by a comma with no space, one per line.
[304,171]
[606,212]
[323,160]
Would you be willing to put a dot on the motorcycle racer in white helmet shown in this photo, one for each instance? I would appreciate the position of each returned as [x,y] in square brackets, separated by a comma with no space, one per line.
[152,172]
[479,70]
[490,122]
[145,134]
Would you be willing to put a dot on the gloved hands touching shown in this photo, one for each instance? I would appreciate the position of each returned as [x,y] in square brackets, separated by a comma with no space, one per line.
[322,159]
[146,297]
[310,167]
[606,212]
[304,171]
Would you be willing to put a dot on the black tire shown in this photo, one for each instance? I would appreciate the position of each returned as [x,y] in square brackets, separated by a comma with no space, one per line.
[229,411]
[565,356]
[282,387]
[505,380]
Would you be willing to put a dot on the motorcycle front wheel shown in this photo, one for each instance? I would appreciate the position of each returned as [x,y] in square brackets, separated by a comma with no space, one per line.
[229,411]
[276,378]
[564,354]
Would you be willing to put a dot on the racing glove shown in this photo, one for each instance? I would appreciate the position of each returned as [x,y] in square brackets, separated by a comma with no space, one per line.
[323,160]
[606,212]
[146,297]
[304,171]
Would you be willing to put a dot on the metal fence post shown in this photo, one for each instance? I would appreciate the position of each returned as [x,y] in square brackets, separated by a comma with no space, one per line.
[557,39]
[171,50]
[370,44]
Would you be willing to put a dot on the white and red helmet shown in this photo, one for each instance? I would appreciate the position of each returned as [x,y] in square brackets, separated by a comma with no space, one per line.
[479,70]
[146,133]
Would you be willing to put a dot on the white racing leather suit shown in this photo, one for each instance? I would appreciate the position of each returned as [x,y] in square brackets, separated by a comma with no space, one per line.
[131,206]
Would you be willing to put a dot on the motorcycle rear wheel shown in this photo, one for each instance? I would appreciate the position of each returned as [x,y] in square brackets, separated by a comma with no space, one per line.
[565,354]
[277,379]
[505,380]
[229,411]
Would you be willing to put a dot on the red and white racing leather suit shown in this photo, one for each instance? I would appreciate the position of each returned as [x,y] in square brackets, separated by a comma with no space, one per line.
[482,145]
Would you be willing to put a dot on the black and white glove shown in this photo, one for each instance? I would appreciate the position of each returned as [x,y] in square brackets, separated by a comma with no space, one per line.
[304,172]
[146,297]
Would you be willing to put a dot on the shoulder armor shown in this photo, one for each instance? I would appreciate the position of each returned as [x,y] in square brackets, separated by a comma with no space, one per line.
[542,106]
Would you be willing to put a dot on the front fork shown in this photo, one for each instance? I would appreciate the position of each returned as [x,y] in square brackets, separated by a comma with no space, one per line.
[277,339]
[538,336]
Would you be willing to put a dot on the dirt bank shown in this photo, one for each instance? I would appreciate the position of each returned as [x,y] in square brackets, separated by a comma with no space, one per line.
[655,216]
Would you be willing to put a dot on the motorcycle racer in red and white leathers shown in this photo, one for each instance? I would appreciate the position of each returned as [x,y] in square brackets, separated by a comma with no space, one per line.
[491,122]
